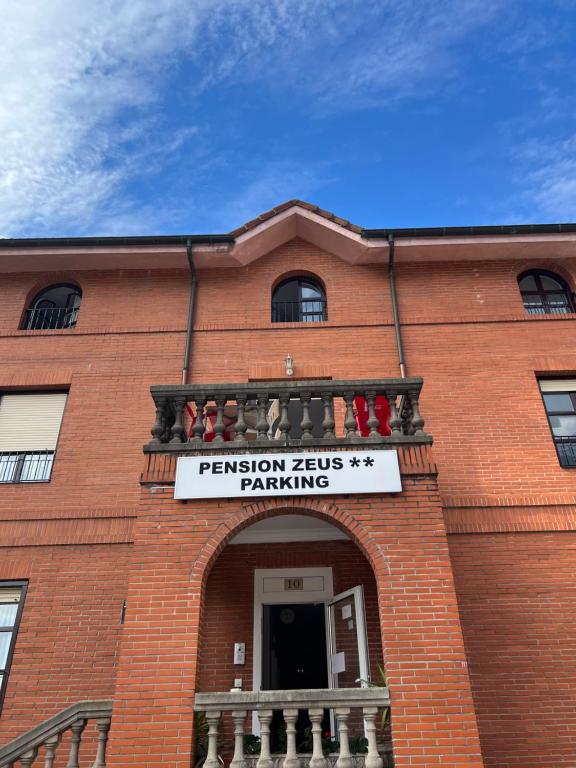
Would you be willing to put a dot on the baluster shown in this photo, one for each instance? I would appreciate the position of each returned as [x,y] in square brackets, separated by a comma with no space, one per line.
[291,760]
[51,745]
[395,420]
[417,420]
[159,427]
[317,760]
[76,729]
[103,726]
[212,718]
[350,420]
[344,758]
[373,759]
[284,424]
[240,427]
[28,758]
[306,424]
[262,421]
[178,432]
[373,421]
[238,761]
[265,759]
[219,426]
[198,428]
[328,423]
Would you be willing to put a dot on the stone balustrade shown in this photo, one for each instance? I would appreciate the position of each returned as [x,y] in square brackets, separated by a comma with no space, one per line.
[262,415]
[41,744]
[341,701]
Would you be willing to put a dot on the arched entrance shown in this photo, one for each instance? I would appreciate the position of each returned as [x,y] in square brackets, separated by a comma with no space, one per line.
[290,603]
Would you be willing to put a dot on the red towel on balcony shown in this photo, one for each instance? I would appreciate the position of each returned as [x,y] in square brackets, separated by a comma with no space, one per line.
[382,408]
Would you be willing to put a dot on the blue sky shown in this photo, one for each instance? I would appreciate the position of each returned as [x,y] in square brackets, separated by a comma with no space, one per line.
[123,117]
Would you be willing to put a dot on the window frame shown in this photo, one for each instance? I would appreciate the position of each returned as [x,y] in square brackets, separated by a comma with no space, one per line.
[23,455]
[30,317]
[23,584]
[543,293]
[556,439]
[301,280]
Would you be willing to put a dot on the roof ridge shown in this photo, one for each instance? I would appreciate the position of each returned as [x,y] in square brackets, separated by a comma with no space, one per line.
[295,203]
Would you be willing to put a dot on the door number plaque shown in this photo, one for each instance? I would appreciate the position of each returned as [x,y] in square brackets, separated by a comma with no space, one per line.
[293,585]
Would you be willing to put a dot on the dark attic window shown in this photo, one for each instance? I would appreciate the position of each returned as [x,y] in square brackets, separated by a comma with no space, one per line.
[299,300]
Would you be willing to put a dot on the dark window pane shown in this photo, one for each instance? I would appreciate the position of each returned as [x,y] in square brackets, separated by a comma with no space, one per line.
[558,402]
[563,426]
[528,283]
[549,284]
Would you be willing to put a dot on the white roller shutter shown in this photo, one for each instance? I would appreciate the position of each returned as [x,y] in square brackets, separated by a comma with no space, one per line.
[30,422]
[558,385]
[10,594]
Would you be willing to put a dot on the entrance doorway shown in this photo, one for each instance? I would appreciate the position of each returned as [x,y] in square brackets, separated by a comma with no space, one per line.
[294,651]
[294,656]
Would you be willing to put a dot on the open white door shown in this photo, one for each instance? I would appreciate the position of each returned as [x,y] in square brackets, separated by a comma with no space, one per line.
[348,639]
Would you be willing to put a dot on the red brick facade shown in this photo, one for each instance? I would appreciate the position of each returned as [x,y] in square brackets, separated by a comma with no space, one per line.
[468,572]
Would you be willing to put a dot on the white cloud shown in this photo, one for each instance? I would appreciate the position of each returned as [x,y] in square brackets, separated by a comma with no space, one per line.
[85,87]
[549,182]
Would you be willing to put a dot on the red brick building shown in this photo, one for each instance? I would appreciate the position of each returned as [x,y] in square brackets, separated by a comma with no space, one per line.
[299,346]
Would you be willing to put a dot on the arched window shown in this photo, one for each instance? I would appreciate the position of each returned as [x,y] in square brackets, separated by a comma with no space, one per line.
[54,307]
[544,293]
[299,300]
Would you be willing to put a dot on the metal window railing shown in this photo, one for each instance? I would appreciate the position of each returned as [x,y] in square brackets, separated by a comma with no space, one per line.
[46,318]
[26,466]
[302,311]
[566,447]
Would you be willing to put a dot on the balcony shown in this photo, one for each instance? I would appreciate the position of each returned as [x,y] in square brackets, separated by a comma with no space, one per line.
[286,414]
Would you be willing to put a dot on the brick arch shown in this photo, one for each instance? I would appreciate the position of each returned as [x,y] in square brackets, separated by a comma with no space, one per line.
[252,513]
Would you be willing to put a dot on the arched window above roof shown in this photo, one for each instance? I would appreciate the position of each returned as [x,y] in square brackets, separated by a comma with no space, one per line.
[54,307]
[545,293]
[299,300]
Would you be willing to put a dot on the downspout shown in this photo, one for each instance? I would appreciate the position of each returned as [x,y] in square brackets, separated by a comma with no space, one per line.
[191,307]
[392,279]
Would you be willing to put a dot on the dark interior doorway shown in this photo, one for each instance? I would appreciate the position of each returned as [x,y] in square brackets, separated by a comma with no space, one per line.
[294,655]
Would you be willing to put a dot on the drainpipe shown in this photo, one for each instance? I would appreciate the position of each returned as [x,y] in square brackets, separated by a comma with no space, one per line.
[191,306]
[392,280]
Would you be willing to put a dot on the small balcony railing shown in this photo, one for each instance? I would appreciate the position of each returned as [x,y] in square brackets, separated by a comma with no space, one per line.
[301,311]
[26,466]
[286,413]
[350,706]
[566,447]
[47,318]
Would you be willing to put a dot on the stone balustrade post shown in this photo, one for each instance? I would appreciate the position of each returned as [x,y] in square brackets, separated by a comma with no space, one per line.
[265,759]
[291,760]
[238,717]
[103,726]
[373,759]
[51,745]
[76,729]
[317,760]
[344,758]
[213,720]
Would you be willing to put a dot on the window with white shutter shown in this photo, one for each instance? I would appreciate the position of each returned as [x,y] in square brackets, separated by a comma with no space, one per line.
[29,429]
[11,604]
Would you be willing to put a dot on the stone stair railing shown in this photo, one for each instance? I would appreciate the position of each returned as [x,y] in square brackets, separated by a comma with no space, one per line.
[265,703]
[43,740]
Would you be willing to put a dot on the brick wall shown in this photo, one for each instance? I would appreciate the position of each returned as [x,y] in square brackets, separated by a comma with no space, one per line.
[465,332]
[67,644]
[517,601]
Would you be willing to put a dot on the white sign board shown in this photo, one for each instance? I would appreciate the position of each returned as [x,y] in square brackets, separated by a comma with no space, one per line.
[287,474]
